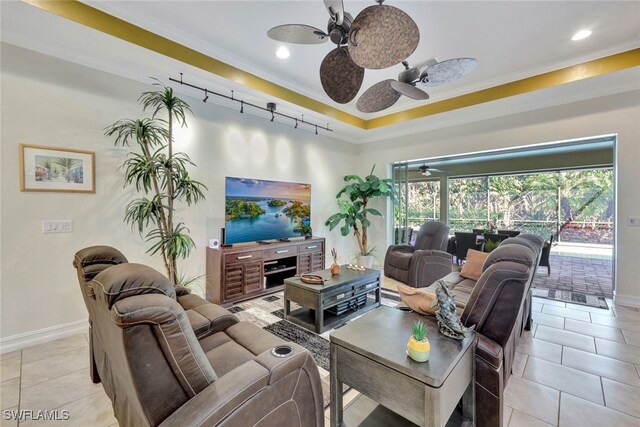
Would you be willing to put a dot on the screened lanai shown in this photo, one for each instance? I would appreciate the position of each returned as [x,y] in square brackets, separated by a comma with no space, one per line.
[563,192]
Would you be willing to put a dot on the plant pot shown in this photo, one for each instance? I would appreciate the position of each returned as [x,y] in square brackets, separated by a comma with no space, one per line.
[418,350]
[365,260]
[335,269]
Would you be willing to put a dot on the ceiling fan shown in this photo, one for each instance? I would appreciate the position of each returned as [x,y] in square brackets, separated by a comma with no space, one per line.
[379,37]
[426,170]
[431,72]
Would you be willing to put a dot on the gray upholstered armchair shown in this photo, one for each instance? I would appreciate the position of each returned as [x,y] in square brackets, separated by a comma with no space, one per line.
[424,263]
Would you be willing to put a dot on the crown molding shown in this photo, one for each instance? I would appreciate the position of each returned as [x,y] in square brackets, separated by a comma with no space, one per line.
[101,21]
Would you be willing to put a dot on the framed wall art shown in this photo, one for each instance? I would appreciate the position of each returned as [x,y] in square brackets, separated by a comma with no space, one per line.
[56,169]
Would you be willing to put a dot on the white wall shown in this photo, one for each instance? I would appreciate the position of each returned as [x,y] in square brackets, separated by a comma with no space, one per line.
[46,101]
[615,114]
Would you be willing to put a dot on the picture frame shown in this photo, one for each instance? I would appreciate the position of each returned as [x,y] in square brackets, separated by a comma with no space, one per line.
[55,169]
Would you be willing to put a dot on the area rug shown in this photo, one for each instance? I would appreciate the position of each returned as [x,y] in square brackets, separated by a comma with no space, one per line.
[268,313]
[572,297]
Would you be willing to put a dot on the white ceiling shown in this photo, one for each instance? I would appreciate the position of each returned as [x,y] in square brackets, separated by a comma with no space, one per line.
[510,39]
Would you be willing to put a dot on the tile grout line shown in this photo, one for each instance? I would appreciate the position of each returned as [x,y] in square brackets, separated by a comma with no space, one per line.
[604,396]
[83,397]
[559,407]
[55,378]
[54,355]
[19,390]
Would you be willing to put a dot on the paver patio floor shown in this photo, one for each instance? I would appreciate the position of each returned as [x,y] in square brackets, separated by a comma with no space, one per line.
[578,273]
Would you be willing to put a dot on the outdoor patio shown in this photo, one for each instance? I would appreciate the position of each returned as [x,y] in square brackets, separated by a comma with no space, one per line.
[578,268]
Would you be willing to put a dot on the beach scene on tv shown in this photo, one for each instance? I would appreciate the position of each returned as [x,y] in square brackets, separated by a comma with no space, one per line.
[266,210]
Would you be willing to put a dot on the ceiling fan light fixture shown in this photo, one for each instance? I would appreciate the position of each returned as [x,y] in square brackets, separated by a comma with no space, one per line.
[426,172]
[283,52]
[580,35]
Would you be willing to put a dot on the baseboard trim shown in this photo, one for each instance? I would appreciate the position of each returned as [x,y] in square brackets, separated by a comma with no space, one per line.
[27,339]
[627,300]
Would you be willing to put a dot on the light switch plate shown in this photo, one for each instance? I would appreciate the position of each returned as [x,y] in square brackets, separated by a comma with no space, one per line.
[57,226]
[633,220]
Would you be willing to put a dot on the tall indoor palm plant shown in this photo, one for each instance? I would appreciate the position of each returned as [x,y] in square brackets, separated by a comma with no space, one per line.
[354,210]
[160,175]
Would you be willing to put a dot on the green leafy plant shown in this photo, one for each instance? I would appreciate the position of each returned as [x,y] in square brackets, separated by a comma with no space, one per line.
[419,330]
[354,210]
[160,175]
[490,245]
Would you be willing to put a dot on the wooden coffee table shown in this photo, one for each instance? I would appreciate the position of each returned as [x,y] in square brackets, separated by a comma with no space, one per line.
[339,299]
[369,354]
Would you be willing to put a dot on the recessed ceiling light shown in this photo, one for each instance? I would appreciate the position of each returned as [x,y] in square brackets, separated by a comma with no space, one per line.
[282,52]
[582,34]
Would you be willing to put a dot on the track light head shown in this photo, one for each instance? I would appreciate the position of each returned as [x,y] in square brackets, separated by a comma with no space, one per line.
[206,96]
[316,129]
[241,106]
[272,116]
[296,124]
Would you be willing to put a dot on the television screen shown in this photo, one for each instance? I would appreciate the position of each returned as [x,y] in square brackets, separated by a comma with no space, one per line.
[257,209]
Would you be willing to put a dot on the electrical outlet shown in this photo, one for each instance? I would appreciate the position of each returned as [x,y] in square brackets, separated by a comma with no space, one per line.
[633,220]
[57,226]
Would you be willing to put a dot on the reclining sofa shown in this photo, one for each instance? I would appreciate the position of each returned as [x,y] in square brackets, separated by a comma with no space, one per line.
[498,306]
[169,358]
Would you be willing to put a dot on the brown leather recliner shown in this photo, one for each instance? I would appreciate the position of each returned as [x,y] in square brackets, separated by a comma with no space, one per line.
[177,360]
[496,307]
[88,262]
[425,262]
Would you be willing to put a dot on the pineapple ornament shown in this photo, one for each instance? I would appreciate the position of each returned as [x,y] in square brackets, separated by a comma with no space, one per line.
[418,347]
[335,267]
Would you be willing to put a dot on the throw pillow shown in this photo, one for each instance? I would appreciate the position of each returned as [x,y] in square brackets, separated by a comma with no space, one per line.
[418,299]
[472,268]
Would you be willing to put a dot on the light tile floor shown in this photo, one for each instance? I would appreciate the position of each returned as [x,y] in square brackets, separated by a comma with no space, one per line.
[569,370]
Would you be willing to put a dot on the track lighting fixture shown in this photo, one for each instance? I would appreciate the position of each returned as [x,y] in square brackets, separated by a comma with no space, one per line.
[271,107]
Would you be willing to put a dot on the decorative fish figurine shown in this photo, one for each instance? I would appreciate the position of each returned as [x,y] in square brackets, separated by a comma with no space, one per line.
[448,319]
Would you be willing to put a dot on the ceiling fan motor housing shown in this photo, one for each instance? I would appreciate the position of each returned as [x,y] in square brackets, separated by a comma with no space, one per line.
[338,33]
[409,76]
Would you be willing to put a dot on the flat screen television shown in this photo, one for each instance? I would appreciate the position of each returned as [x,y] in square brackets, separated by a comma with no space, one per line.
[260,210]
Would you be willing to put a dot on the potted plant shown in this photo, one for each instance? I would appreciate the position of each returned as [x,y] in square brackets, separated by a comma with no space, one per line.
[161,177]
[354,210]
[418,347]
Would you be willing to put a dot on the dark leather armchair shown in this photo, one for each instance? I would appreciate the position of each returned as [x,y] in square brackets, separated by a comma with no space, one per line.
[425,262]
[170,358]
